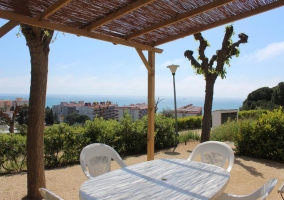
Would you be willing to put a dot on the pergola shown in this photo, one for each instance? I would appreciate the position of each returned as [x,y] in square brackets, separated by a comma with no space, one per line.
[142,24]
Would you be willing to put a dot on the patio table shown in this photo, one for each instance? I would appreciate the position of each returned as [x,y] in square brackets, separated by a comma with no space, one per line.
[158,179]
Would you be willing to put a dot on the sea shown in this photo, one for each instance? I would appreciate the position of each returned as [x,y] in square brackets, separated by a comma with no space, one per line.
[165,102]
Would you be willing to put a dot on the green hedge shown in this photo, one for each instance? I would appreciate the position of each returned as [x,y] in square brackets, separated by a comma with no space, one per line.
[12,152]
[189,122]
[262,137]
[250,114]
[63,143]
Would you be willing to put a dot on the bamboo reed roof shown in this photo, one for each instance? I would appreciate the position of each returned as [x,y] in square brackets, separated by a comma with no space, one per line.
[143,24]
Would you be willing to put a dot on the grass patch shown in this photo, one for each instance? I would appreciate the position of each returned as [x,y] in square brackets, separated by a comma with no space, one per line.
[189,135]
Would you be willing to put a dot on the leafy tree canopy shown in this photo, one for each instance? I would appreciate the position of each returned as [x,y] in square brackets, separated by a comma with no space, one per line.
[76,118]
[265,98]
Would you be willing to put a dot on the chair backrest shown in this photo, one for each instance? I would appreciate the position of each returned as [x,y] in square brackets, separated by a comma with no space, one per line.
[213,152]
[48,195]
[262,193]
[95,159]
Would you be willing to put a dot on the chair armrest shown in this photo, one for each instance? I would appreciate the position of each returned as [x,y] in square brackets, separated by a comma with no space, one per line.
[281,188]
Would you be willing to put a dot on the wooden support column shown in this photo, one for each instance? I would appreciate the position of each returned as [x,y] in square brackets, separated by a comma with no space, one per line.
[151,106]
[150,66]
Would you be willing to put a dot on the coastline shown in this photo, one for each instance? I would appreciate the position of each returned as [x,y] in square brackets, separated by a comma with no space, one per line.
[167,102]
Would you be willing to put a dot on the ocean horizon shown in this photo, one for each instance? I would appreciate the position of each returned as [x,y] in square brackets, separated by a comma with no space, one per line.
[167,102]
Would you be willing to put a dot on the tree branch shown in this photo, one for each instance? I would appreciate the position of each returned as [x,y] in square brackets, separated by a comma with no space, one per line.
[202,46]
[188,54]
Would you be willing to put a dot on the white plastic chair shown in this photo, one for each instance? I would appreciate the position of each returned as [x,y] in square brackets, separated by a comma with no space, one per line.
[281,190]
[262,193]
[48,195]
[213,152]
[95,159]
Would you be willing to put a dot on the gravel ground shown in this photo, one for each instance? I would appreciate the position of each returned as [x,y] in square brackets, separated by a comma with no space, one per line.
[247,175]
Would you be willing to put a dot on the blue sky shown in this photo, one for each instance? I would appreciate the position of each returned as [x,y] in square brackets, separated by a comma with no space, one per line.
[79,65]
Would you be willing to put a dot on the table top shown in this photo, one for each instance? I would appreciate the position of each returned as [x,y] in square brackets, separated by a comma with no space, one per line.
[158,179]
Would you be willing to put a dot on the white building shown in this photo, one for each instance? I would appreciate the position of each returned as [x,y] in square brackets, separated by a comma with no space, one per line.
[107,110]
[8,104]
[20,102]
[188,110]
[64,109]
[137,111]
[221,116]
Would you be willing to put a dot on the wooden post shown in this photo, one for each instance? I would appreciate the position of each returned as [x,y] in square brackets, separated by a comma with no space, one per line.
[151,105]
[150,66]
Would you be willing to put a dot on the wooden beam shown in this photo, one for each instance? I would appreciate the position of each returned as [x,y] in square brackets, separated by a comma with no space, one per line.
[67,29]
[53,8]
[123,11]
[7,27]
[151,106]
[144,60]
[179,17]
[222,22]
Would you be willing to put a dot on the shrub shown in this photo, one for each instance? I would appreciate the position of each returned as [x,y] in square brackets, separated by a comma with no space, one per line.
[54,137]
[165,135]
[251,114]
[12,152]
[189,122]
[189,135]
[225,132]
[132,136]
[262,138]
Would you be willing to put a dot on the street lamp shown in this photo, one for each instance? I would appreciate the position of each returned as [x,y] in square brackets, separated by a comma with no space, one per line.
[173,69]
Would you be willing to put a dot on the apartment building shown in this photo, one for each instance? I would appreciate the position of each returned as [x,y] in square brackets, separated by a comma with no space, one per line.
[20,102]
[64,109]
[137,111]
[106,110]
[96,109]
[188,110]
[8,104]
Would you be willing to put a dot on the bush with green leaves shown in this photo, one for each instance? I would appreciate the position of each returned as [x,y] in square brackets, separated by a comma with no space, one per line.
[12,152]
[189,122]
[132,136]
[251,114]
[165,135]
[54,137]
[263,137]
[63,143]
[102,131]
[189,135]
[225,132]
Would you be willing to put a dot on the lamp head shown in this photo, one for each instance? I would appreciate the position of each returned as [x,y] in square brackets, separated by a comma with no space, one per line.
[173,68]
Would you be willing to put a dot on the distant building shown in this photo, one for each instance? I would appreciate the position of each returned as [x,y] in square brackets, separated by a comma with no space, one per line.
[137,111]
[20,102]
[188,110]
[221,116]
[64,109]
[8,104]
[105,110]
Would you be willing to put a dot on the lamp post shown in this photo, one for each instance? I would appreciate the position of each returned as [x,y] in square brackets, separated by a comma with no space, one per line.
[173,69]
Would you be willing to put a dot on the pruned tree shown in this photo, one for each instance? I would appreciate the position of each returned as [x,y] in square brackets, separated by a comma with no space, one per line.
[11,120]
[37,40]
[211,71]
